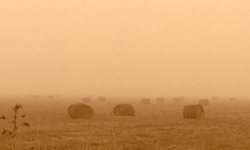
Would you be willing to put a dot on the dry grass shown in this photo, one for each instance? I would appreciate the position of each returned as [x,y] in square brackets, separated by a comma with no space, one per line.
[155,127]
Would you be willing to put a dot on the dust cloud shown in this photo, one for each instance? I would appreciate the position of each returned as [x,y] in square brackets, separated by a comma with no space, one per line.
[121,48]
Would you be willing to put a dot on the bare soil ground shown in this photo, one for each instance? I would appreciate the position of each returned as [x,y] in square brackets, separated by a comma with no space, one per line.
[158,126]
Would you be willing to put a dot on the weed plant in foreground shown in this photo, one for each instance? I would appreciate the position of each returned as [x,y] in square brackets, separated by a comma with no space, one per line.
[12,126]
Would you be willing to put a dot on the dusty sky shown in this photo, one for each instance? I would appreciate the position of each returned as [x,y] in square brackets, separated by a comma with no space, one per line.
[125,47]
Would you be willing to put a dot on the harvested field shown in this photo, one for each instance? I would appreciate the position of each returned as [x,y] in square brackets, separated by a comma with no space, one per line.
[156,127]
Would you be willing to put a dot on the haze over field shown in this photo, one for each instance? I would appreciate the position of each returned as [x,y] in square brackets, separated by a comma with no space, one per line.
[125,47]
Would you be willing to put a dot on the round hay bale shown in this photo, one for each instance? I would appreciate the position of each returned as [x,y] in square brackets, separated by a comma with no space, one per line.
[80,111]
[215,98]
[50,97]
[36,96]
[160,100]
[176,99]
[124,110]
[233,99]
[86,100]
[182,98]
[102,99]
[204,102]
[193,112]
[145,101]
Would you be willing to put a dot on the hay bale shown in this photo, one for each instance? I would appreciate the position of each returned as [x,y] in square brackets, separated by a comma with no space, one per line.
[160,100]
[215,98]
[176,100]
[124,110]
[145,101]
[86,100]
[50,97]
[193,112]
[80,111]
[204,102]
[36,96]
[182,98]
[102,99]
[233,99]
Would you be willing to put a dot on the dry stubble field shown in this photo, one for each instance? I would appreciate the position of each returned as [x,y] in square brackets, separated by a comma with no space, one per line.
[155,126]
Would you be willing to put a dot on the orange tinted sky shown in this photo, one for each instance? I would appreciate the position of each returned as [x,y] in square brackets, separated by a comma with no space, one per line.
[125,47]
